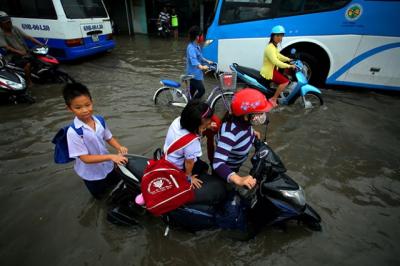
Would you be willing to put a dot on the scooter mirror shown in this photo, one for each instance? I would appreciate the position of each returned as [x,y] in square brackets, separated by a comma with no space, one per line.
[293,51]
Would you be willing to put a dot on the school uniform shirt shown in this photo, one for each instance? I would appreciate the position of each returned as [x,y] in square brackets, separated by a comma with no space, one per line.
[233,146]
[92,142]
[193,59]
[191,151]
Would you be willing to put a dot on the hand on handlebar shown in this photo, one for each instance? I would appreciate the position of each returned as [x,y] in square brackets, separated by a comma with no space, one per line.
[204,67]
[245,181]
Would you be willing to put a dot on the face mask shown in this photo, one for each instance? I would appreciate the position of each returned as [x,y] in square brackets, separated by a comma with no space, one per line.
[258,119]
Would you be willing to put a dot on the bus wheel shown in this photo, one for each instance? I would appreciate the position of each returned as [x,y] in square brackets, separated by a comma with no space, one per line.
[314,70]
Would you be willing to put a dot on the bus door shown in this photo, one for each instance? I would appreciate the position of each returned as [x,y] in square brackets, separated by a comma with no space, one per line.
[376,62]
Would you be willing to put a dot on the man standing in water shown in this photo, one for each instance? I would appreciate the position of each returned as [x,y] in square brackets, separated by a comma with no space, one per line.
[12,39]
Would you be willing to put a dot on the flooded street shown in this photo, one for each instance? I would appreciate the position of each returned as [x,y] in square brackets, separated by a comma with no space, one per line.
[346,156]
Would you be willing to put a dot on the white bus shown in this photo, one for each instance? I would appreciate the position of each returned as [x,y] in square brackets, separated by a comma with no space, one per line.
[73,28]
[344,42]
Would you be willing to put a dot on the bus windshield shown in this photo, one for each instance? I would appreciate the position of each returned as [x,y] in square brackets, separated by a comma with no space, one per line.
[75,9]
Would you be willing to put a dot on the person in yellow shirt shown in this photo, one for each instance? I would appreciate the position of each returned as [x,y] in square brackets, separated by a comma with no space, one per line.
[174,23]
[273,60]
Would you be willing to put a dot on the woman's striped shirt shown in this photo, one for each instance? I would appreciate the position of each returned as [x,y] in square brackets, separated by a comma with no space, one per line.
[233,145]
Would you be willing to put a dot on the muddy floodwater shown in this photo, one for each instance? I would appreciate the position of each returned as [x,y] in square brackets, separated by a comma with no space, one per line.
[346,156]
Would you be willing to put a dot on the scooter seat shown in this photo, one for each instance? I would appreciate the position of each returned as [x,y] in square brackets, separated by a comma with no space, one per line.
[251,72]
[136,165]
[170,83]
[248,71]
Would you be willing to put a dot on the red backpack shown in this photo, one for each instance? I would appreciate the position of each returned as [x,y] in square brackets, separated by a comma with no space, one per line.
[164,186]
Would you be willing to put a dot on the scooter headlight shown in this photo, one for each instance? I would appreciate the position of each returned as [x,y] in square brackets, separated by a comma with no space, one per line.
[41,50]
[207,43]
[297,197]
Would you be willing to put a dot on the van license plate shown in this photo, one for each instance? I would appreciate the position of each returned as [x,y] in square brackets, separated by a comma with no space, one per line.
[95,37]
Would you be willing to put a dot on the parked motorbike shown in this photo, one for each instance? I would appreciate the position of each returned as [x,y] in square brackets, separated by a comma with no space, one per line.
[12,85]
[297,88]
[276,199]
[164,29]
[45,68]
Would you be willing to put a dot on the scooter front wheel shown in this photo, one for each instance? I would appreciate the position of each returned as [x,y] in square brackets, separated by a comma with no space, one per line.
[311,218]
[311,100]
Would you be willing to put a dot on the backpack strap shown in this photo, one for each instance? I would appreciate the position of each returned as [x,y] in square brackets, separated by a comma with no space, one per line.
[101,119]
[78,131]
[181,143]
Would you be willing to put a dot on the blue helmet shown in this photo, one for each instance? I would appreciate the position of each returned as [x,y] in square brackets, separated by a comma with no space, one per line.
[278,29]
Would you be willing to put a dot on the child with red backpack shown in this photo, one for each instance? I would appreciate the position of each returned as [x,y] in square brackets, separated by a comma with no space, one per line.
[182,151]
[195,118]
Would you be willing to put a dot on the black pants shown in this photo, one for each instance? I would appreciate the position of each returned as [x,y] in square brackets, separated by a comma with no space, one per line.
[99,187]
[200,167]
[197,89]
[212,191]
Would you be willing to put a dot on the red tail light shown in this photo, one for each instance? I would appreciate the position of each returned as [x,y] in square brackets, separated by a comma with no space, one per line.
[109,37]
[74,42]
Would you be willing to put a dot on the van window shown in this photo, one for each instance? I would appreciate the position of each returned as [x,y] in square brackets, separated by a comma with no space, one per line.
[29,9]
[84,9]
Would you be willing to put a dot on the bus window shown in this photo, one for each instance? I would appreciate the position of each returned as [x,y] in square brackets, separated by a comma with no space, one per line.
[29,9]
[84,9]
[295,7]
[234,11]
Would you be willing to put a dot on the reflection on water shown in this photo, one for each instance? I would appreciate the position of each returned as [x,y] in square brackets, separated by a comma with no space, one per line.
[345,155]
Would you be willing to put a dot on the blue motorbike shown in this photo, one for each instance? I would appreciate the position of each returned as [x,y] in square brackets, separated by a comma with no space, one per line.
[276,199]
[298,87]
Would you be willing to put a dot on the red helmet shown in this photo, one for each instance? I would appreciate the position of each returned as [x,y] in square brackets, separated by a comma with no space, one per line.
[249,101]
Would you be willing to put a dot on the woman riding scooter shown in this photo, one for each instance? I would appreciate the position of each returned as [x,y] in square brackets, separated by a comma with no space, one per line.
[273,60]
[236,136]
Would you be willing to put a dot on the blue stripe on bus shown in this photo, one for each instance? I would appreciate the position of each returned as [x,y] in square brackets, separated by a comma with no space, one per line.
[363,85]
[360,58]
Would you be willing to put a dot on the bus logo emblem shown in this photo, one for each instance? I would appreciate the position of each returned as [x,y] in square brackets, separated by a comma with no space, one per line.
[353,12]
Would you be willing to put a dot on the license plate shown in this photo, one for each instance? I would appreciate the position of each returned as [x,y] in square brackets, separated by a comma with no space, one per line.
[95,37]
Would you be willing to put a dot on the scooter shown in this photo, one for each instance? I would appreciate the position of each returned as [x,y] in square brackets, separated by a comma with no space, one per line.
[12,85]
[298,88]
[164,29]
[45,68]
[276,199]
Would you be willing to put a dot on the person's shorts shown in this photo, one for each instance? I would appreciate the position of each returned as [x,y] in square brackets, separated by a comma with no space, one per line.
[20,61]
[278,78]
